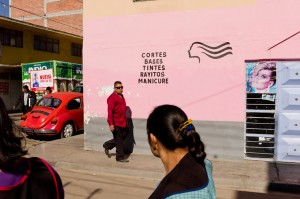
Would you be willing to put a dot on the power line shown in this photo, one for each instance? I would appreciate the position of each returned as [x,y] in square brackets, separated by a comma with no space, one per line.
[41,16]
[284,40]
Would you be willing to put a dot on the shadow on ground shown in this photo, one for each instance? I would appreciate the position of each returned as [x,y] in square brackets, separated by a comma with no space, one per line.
[269,195]
[48,138]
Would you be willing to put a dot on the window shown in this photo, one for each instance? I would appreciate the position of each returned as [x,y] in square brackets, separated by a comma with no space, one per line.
[46,44]
[76,50]
[74,104]
[78,88]
[49,101]
[12,38]
[62,87]
[70,87]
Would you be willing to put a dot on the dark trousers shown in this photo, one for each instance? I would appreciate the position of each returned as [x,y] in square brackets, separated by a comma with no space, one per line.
[118,142]
[25,109]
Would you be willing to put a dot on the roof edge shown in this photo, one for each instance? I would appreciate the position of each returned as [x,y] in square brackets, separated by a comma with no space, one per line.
[39,27]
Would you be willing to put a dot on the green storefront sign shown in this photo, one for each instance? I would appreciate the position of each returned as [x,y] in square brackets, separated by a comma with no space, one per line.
[61,70]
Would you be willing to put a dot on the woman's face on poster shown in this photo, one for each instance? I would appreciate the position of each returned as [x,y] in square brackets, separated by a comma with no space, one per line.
[262,79]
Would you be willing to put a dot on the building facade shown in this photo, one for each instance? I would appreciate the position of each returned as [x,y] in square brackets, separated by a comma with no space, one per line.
[194,54]
[23,42]
[63,15]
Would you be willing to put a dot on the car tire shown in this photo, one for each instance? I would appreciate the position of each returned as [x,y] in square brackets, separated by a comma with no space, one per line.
[67,130]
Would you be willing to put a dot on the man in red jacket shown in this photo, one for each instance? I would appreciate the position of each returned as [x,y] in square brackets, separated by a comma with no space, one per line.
[117,122]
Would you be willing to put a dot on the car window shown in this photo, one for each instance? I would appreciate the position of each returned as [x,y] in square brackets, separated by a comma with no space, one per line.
[74,104]
[49,102]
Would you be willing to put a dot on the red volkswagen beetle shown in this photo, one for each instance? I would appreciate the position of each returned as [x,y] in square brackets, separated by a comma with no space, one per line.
[55,114]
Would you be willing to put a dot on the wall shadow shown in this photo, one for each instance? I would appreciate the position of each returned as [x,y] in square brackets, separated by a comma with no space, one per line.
[269,195]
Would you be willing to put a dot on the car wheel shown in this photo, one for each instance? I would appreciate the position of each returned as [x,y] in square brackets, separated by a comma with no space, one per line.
[67,130]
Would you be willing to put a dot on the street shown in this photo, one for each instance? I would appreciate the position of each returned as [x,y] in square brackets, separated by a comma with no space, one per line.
[30,141]
[80,184]
[88,185]
[85,175]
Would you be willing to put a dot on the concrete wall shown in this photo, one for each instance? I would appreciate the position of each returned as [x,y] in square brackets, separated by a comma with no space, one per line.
[223,140]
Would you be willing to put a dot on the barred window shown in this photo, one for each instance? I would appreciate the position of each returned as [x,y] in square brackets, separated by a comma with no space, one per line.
[10,37]
[46,44]
[76,49]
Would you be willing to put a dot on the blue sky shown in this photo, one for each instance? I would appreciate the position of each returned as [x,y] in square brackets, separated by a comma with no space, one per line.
[4,9]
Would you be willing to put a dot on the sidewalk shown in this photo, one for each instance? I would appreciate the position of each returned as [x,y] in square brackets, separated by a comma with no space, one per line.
[69,153]
[232,178]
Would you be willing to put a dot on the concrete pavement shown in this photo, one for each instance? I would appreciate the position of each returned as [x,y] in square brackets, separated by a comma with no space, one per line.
[233,178]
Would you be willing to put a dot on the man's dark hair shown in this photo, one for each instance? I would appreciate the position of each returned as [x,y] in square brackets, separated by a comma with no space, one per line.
[25,87]
[117,82]
[48,88]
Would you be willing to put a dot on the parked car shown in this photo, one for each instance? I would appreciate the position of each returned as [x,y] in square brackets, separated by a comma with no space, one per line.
[58,113]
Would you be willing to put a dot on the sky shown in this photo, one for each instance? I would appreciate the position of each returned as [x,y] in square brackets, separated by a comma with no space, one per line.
[4,9]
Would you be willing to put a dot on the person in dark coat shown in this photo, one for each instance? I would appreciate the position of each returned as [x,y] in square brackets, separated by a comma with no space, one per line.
[129,140]
[22,177]
[27,100]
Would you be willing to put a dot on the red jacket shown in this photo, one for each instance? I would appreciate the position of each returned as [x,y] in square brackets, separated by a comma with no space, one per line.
[116,109]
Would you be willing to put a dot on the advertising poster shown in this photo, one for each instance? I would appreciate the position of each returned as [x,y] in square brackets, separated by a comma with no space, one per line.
[27,68]
[261,77]
[41,79]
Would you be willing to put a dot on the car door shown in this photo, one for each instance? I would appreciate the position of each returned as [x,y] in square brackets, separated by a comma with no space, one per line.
[75,108]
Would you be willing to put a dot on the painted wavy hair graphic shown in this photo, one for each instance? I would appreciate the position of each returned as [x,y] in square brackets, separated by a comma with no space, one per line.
[214,52]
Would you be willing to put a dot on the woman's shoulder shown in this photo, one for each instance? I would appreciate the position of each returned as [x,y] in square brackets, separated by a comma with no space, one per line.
[37,160]
[46,176]
[16,175]
[40,165]
[208,164]
[206,190]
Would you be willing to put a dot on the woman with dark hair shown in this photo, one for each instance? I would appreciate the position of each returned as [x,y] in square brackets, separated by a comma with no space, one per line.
[21,177]
[172,137]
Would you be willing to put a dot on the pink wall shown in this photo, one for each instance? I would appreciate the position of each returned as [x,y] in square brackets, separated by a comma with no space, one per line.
[213,89]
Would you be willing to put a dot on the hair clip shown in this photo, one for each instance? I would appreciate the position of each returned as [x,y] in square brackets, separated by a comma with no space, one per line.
[189,127]
[185,124]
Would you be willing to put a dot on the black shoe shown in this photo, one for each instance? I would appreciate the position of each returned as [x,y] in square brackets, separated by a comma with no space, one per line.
[123,160]
[107,153]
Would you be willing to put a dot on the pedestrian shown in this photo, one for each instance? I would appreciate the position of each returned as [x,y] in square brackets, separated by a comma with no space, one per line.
[22,177]
[48,90]
[32,99]
[172,138]
[117,121]
[27,99]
